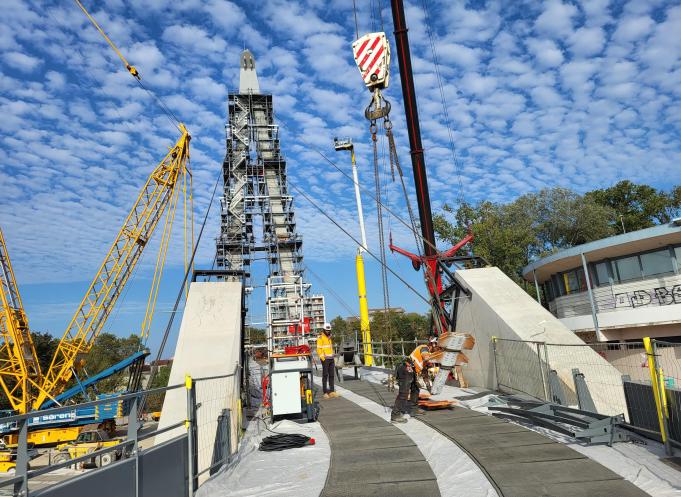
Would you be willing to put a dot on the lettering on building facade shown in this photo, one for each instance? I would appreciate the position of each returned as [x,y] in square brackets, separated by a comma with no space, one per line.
[657,296]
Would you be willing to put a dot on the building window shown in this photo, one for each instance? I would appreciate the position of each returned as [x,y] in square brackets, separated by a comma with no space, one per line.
[659,262]
[602,273]
[628,268]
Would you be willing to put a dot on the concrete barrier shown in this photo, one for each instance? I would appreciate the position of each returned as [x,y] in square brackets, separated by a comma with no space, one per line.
[499,307]
[208,345]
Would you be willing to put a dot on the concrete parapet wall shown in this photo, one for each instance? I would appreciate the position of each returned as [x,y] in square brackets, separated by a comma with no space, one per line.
[499,308]
[208,345]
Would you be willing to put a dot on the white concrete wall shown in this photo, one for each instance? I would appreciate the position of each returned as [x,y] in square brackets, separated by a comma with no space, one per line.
[498,307]
[208,345]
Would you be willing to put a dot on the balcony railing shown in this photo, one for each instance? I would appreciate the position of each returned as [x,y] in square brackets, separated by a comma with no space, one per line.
[649,292]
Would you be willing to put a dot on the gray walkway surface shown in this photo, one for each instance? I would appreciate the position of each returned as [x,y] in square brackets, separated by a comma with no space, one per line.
[370,457]
[518,462]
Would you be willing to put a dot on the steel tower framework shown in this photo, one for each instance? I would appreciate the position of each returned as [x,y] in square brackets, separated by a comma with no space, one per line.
[255,188]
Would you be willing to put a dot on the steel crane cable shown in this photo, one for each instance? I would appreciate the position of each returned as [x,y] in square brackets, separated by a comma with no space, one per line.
[364,190]
[180,293]
[359,243]
[131,69]
[457,165]
[428,275]
[354,11]
[329,289]
[381,235]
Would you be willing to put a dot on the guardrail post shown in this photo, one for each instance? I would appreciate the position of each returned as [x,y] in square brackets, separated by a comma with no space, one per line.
[133,427]
[544,379]
[191,434]
[657,382]
[21,488]
[496,366]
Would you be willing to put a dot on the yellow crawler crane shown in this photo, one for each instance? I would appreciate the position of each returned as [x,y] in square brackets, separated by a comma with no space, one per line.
[20,374]
[160,191]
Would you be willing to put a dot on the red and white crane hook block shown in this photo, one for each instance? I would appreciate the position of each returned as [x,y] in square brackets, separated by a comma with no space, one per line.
[372,56]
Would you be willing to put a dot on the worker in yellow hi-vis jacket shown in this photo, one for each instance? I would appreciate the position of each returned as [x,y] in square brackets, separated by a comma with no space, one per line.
[325,353]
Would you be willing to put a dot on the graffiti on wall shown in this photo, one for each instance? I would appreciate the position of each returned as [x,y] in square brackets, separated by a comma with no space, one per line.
[656,296]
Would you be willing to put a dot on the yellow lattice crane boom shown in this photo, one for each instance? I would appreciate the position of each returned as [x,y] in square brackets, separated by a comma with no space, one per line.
[20,372]
[157,194]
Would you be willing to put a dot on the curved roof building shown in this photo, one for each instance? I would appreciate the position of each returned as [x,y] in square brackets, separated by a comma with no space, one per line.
[619,288]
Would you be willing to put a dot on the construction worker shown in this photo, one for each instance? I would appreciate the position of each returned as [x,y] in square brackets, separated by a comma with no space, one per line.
[405,375]
[325,353]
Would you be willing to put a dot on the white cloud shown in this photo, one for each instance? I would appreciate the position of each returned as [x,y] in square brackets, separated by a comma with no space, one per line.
[206,88]
[546,52]
[556,19]
[224,14]
[21,61]
[586,42]
[633,28]
[478,84]
[193,38]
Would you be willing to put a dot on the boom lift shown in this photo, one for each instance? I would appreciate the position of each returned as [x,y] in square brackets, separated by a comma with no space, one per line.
[364,325]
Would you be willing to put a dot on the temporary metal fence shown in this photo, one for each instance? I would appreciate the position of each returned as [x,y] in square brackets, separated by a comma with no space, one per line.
[637,379]
[385,353]
[202,446]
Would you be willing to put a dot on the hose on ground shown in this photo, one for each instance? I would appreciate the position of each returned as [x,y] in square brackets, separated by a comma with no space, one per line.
[283,441]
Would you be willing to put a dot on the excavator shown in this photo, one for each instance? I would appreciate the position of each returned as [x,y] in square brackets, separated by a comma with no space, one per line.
[23,382]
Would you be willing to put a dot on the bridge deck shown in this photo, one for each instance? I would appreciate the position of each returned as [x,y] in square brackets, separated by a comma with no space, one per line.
[517,461]
[371,457]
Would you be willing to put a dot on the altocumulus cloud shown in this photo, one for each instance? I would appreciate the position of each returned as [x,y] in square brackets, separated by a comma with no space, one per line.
[539,94]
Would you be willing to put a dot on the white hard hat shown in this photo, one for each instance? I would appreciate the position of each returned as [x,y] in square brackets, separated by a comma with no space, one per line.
[327,326]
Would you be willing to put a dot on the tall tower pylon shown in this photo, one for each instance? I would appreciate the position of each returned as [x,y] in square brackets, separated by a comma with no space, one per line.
[255,188]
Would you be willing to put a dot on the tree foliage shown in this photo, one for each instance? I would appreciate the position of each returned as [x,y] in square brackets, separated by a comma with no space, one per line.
[638,206]
[390,326]
[510,235]
[107,350]
[536,224]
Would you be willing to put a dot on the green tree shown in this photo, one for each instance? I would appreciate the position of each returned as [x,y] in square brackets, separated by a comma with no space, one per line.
[341,327]
[510,235]
[45,347]
[107,350]
[638,206]
[256,335]
[160,380]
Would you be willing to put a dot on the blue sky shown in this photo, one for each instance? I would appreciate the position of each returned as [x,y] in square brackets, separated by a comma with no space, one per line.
[539,94]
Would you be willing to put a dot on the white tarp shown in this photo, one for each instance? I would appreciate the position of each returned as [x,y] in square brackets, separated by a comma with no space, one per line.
[299,472]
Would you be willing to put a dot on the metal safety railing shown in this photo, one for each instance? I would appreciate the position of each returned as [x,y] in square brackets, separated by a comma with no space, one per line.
[209,439]
[385,353]
[638,379]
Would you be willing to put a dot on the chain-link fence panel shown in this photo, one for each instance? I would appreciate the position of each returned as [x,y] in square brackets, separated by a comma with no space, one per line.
[521,367]
[217,422]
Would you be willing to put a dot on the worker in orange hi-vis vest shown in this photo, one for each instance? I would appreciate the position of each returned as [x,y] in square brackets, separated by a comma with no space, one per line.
[325,353]
[405,375]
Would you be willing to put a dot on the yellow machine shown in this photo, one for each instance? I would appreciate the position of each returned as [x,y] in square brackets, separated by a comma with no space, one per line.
[21,379]
[86,443]
[347,144]
[7,462]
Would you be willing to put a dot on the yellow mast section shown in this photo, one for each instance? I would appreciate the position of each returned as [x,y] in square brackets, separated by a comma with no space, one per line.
[19,367]
[117,267]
